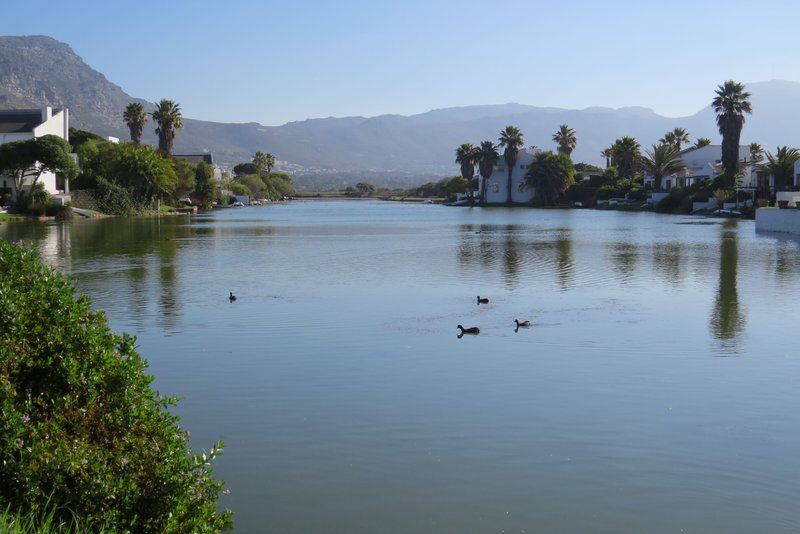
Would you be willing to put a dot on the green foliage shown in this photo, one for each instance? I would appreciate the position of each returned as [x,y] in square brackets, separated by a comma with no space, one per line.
[135,117]
[237,188]
[169,120]
[205,190]
[278,184]
[78,137]
[185,182]
[25,161]
[80,426]
[245,168]
[254,184]
[39,194]
[143,170]
[551,174]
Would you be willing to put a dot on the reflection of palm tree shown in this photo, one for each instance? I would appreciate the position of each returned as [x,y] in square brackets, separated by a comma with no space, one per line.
[625,257]
[667,261]
[727,320]
[566,268]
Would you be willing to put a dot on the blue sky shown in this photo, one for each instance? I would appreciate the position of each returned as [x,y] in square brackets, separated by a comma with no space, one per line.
[277,61]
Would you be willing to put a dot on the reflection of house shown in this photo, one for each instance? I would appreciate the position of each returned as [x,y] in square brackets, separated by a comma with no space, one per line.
[194,159]
[497,184]
[20,124]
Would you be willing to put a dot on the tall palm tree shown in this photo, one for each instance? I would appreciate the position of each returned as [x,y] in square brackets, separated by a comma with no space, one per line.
[701,142]
[756,153]
[487,157]
[467,157]
[662,161]
[135,117]
[608,153]
[781,165]
[511,139]
[677,137]
[168,117]
[731,104]
[626,154]
[270,162]
[550,175]
[260,161]
[566,139]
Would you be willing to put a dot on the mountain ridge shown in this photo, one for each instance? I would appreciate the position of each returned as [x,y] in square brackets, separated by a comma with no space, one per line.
[39,70]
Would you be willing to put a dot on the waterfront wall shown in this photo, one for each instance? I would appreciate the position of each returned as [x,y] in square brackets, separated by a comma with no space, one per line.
[778,220]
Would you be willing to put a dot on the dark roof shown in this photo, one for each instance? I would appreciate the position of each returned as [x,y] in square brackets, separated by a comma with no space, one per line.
[194,159]
[20,120]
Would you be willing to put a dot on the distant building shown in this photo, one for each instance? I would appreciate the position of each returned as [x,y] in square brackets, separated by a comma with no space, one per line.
[705,163]
[497,183]
[19,124]
[195,159]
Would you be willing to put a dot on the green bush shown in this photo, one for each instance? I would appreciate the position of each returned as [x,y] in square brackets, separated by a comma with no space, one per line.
[80,426]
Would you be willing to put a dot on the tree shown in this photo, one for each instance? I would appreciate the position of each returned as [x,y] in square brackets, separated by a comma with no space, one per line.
[608,153]
[701,142]
[270,161]
[254,184]
[25,161]
[566,139]
[364,189]
[663,160]
[467,158]
[781,165]
[487,157]
[676,138]
[205,189]
[135,117]
[260,161]
[511,139]
[142,170]
[551,175]
[731,104]
[185,182]
[169,119]
[245,168]
[756,153]
[626,154]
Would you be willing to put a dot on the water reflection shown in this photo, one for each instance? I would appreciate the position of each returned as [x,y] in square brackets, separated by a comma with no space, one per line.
[728,319]
[667,262]
[624,257]
[564,258]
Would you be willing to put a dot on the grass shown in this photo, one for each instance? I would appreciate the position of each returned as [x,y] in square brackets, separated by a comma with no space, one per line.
[13,217]
[43,523]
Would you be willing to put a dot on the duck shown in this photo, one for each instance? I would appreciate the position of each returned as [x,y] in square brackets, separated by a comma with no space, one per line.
[472,330]
[483,300]
[523,324]
[232,297]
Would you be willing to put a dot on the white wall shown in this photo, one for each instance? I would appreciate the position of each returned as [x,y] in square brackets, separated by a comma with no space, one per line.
[496,190]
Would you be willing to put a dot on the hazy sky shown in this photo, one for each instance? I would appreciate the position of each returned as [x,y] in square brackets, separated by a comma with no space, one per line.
[276,61]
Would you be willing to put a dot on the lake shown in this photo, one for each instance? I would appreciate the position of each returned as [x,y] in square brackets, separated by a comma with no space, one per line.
[657,390]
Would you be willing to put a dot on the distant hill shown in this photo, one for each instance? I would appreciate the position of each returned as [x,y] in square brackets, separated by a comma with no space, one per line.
[38,70]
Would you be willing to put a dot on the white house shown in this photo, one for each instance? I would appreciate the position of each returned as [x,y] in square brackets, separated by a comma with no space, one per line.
[19,124]
[701,164]
[497,183]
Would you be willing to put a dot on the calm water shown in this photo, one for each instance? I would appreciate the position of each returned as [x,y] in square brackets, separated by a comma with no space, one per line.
[656,392]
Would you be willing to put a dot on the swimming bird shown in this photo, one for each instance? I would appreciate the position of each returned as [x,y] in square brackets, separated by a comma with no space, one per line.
[523,324]
[483,300]
[472,330]
[232,297]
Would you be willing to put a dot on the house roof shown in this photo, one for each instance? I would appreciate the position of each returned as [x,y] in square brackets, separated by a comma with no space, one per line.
[194,159]
[19,120]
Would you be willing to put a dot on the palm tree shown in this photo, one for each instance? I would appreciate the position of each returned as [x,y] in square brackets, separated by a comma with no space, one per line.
[626,154]
[467,157]
[781,165]
[487,157]
[270,162]
[168,117]
[756,153]
[550,174]
[566,139]
[608,153]
[701,142]
[662,161]
[731,104]
[511,139]
[676,137]
[135,118]
[260,161]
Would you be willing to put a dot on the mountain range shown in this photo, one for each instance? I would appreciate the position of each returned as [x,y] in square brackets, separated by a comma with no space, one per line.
[38,70]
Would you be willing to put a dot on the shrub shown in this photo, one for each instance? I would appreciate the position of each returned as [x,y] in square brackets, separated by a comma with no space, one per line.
[80,427]
[39,194]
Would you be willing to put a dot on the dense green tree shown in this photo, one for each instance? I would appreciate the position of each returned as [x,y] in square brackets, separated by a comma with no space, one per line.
[167,116]
[365,189]
[260,161]
[676,138]
[566,139]
[205,189]
[185,174]
[487,159]
[663,160]
[626,156]
[25,161]
[550,175]
[701,142]
[511,140]
[135,117]
[254,184]
[731,104]
[245,168]
[142,170]
[781,166]
[79,137]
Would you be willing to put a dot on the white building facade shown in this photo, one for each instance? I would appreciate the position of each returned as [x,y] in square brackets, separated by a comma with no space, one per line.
[497,183]
[703,164]
[21,124]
